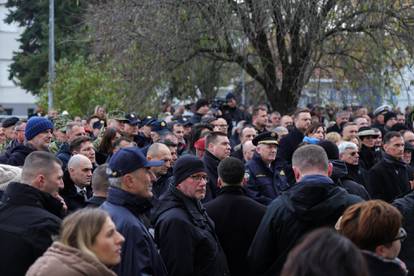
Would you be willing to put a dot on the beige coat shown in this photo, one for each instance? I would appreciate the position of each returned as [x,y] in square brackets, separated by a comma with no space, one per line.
[62,260]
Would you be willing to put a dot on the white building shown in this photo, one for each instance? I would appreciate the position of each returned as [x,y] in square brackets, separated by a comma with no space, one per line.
[12,98]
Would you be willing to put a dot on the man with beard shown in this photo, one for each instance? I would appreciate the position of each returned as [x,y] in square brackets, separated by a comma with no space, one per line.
[38,133]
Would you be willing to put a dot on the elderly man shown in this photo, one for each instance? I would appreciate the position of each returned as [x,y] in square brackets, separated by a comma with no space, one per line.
[315,201]
[348,152]
[38,133]
[217,148]
[127,203]
[265,180]
[389,178]
[73,130]
[29,217]
[183,231]
[341,118]
[247,133]
[77,179]
[161,152]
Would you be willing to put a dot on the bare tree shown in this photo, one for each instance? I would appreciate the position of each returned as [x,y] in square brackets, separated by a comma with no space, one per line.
[278,43]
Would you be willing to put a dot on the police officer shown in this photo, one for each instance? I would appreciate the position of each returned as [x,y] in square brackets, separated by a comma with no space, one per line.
[265,179]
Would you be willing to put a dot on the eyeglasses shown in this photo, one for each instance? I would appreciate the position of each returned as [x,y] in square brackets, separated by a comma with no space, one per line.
[353,153]
[402,235]
[199,178]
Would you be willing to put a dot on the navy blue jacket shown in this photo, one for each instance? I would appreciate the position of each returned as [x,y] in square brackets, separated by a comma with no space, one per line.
[64,155]
[139,252]
[313,202]
[265,181]
[186,237]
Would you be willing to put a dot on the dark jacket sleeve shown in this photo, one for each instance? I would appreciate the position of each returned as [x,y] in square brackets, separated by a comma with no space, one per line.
[375,184]
[262,252]
[177,253]
[405,204]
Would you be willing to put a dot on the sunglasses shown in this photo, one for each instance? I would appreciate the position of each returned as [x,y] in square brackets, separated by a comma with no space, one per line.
[354,153]
[402,235]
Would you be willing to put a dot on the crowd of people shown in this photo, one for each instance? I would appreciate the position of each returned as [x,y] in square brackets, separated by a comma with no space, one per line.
[215,190]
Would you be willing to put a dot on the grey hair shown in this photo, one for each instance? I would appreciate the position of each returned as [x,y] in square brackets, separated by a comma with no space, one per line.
[115,181]
[346,145]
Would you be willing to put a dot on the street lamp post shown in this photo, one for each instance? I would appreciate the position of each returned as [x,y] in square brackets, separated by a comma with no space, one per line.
[51,53]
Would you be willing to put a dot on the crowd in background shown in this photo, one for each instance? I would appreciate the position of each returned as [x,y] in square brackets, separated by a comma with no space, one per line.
[208,189]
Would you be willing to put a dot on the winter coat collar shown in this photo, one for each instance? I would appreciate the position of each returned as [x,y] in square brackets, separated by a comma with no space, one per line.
[137,205]
[23,194]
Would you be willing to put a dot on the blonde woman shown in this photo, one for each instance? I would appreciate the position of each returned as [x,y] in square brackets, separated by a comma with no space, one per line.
[88,245]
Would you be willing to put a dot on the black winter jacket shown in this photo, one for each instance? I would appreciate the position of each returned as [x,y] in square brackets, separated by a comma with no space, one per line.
[73,200]
[340,177]
[314,202]
[388,179]
[186,237]
[28,222]
[211,163]
[236,217]
[378,266]
[16,156]
[406,206]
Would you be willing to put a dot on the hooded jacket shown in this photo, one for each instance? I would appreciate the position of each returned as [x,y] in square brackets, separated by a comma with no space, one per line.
[28,222]
[63,260]
[340,177]
[314,202]
[139,252]
[186,237]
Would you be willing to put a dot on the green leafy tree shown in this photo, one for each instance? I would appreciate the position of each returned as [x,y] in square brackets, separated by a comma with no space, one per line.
[81,84]
[30,63]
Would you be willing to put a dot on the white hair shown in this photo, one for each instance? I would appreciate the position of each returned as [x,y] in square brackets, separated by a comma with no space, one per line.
[343,146]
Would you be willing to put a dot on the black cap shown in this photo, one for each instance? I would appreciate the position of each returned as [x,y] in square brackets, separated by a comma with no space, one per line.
[159,126]
[132,119]
[8,122]
[269,138]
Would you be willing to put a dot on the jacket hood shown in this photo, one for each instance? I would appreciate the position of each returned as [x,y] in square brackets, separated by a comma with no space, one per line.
[339,170]
[315,199]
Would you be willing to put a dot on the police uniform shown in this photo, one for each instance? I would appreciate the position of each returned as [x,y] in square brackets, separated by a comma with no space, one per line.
[265,181]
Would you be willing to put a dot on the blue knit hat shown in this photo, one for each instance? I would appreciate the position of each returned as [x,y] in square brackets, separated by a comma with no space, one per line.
[36,125]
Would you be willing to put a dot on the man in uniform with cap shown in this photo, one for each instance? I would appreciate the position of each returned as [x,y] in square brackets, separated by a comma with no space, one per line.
[131,126]
[183,230]
[38,134]
[8,127]
[143,139]
[379,117]
[265,178]
[127,203]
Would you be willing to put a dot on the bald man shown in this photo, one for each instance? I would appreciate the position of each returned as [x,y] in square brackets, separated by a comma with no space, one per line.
[77,180]
[158,151]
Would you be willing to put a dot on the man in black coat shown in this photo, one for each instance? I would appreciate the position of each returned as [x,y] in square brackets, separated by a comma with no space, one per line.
[29,213]
[38,134]
[77,179]
[289,143]
[184,232]
[389,178]
[231,211]
[217,148]
[158,151]
[315,201]
[100,185]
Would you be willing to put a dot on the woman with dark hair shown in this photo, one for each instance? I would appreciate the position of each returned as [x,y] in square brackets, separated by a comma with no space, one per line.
[324,252]
[314,134]
[375,227]
[89,244]
[106,145]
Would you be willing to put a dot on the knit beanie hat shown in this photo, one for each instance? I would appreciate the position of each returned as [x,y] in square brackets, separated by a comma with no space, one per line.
[330,148]
[36,125]
[186,166]
[9,174]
